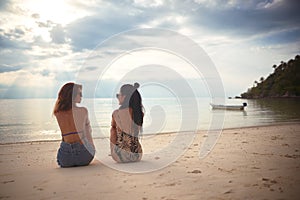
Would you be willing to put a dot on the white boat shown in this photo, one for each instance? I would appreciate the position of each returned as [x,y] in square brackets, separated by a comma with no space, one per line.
[228,107]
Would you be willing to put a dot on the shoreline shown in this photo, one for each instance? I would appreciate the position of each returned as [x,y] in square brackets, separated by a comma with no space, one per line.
[166,133]
[260,162]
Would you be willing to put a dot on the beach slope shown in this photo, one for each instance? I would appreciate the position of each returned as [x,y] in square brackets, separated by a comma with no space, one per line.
[246,163]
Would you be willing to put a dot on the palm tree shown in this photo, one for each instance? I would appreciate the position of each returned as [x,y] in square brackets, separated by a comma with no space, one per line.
[262,79]
[255,83]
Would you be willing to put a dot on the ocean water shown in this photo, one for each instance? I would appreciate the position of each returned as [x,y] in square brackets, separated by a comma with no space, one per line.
[23,120]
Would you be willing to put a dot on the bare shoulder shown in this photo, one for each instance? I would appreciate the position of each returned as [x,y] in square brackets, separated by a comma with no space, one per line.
[82,110]
[115,112]
[63,114]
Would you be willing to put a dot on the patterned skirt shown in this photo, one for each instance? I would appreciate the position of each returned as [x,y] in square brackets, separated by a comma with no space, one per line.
[127,148]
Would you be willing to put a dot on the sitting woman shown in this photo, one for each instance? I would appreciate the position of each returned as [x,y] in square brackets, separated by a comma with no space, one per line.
[77,147]
[126,125]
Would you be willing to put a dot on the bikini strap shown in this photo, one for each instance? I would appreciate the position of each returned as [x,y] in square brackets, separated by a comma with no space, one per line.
[71,133]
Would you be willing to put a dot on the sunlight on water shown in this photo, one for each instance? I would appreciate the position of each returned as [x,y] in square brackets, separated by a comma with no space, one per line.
[32,120]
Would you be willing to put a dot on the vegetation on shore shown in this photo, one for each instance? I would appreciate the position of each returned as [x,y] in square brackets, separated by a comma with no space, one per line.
[283,82]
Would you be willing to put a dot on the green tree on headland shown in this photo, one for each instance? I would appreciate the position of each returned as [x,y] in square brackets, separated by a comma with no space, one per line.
[283,82]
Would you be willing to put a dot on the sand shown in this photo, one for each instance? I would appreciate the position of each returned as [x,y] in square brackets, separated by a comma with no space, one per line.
[246,163]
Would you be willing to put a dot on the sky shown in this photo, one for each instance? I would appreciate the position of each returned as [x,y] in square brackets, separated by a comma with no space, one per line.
[44,44]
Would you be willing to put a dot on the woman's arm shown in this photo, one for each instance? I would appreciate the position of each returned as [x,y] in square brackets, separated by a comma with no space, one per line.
[113,131]
[113,139]
[88,129]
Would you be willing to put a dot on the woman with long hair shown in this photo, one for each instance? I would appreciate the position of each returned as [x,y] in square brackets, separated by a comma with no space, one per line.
[77,147]
[126,125]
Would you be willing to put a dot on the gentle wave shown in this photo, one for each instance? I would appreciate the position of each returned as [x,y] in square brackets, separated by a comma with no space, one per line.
[32,123]
[16,124]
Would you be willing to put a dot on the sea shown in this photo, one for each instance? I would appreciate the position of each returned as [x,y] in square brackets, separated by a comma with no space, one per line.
[26,120]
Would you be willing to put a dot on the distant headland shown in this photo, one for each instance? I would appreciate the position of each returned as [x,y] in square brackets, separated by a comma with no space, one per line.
[283,82]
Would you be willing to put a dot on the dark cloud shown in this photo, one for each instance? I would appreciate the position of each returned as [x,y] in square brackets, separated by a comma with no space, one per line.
[8,39]
[5,68]
[90,31]
[245,21]
[6,43]
[12,54]
[19,31]
[16,58]
[4,4]
[87,33]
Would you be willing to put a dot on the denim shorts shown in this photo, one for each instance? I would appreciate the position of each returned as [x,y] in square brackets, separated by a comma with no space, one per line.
[71,155]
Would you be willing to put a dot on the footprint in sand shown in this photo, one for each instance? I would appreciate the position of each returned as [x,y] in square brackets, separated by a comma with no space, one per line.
[38,188]
[270,182]
[229,191]
[4,197]
[291,156]
[196,171]
[10,181]
[170,184]
[255,168]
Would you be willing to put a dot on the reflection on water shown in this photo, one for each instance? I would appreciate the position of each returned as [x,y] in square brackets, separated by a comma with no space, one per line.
[280,109]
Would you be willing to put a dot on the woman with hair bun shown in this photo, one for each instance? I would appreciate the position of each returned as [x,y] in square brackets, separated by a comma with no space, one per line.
[126,125]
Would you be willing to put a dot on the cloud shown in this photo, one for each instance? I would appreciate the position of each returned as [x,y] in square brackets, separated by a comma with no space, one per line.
[12,56]
[111,19]
[58,34]
[4,4]
[11,39]
[87,33]
[38,44]
[15,34]
[148,3]
[35,16]
[281,37]
[244,19]
[238,20]
[47,24]
[6,43]
[91,68]
[5,68]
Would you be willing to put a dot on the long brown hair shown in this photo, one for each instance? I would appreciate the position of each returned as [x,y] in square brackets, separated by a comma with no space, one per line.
[66,96]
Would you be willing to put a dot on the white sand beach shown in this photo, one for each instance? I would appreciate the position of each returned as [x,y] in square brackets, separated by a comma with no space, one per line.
[246,163]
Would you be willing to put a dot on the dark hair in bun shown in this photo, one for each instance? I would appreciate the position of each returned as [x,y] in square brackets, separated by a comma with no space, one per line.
[136,85]
[133,100]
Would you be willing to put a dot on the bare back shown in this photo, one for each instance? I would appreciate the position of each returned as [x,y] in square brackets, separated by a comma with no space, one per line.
[74,120]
